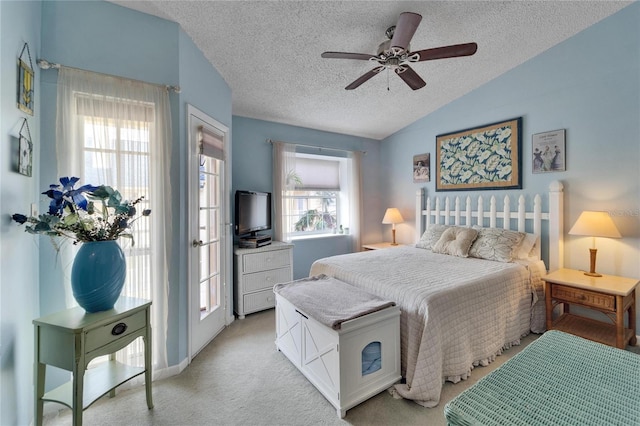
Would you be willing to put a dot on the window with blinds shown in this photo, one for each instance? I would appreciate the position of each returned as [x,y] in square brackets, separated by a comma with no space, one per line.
[314,205]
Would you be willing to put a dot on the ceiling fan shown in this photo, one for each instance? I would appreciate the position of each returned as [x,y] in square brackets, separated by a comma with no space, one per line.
[394,54]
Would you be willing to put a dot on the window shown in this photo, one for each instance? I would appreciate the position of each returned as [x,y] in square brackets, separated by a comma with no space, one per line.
[117,153]
[117,132]
[314,199]
[316,194]
[314,212]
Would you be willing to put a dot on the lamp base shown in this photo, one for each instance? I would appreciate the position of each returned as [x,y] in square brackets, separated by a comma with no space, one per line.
[592,258]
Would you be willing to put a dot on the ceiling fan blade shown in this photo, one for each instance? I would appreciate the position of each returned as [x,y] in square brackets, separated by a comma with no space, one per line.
[346,55]
[405,29]
[410,77]
[364,77]
[453,51]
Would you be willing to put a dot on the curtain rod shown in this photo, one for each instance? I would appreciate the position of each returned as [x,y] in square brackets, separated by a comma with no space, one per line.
[318,147]
[45,65]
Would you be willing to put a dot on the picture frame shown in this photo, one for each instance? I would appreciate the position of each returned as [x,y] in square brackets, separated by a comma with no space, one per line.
[421,168]
[25,151]
[480,158]
[26,82]
[548,151]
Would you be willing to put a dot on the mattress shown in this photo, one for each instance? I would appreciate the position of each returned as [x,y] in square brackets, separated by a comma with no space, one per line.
[457,313]
[559,379]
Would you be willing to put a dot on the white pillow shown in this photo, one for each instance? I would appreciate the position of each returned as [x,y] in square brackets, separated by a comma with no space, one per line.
[496,244]
[525,251]
[431,236]
[455,241]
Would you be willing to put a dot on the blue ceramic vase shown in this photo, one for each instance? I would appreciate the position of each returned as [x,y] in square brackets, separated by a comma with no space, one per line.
[98,274]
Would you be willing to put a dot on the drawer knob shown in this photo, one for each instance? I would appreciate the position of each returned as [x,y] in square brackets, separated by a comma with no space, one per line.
[119,328]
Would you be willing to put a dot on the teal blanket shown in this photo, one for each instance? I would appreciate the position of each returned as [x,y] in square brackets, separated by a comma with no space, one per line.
[559,379]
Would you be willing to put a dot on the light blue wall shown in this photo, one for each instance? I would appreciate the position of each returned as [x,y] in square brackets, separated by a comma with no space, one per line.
[588,85]
[252,170]
[19,23]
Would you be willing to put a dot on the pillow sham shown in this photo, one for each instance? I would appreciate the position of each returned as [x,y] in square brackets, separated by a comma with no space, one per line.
[525,251]
[455,241]
[431,236]
[497,244]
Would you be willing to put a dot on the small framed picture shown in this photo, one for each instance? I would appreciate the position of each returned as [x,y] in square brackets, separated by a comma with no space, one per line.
[422,168]
[25,156]
[548,151]
[25,150]
[26,82]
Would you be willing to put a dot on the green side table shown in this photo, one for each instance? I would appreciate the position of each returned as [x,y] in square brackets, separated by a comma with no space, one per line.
[70,339]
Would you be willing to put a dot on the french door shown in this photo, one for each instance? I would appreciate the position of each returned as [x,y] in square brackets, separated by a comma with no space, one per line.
[210,246]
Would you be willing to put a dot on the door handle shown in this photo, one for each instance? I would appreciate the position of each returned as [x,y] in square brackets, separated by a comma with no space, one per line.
[197,243]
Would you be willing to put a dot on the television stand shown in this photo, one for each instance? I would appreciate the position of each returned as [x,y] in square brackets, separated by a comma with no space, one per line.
[255,241]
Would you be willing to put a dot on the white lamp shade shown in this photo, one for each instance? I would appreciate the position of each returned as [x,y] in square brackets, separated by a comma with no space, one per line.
[392,215]
[595,224]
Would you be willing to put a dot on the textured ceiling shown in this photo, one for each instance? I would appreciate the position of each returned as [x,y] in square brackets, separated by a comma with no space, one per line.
[269,53]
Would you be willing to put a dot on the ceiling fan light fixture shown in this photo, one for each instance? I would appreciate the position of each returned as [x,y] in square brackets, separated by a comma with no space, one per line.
[394,53]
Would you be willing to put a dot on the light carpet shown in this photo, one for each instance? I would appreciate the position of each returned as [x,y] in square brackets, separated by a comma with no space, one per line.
[241,379]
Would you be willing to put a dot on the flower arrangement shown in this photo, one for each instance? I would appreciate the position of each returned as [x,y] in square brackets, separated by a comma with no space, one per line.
[88,213]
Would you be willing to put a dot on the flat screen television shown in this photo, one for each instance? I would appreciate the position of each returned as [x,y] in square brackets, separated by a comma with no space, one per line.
[253,212]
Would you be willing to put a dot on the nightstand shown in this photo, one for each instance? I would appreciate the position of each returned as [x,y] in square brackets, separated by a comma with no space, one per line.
[608,294]
[379,246]
[70,339]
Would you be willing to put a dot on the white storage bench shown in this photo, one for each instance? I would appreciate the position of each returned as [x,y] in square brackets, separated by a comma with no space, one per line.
[347,360]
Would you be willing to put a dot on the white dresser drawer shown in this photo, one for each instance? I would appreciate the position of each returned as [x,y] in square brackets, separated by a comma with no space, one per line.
[258,301]
[256,271]
[265,280]
[274,259]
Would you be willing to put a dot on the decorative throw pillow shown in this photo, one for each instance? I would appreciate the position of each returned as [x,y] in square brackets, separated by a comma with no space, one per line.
[496,244]
[455,241]
[431,236]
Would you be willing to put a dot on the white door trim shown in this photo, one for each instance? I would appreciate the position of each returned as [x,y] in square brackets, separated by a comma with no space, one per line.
[227,285]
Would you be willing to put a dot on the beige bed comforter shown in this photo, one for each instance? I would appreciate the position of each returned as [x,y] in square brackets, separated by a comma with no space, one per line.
[457,313]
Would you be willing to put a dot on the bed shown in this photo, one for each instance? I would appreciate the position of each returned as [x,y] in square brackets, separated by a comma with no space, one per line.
[459,312]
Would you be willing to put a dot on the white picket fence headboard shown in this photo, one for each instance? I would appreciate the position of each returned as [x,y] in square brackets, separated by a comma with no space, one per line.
[455,211]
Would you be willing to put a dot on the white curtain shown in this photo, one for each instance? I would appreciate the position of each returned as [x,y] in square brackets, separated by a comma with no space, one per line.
[284,179]
[355,198]
[117,132]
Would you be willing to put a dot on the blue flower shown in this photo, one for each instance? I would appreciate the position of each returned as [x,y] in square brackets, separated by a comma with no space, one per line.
[70,197]
[20,218]
[88,213]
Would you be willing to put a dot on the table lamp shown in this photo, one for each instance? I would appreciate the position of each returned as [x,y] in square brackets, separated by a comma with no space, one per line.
[594,224]
[392,216]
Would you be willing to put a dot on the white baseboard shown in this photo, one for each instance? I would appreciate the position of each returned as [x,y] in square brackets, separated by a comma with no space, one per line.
[171,371]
